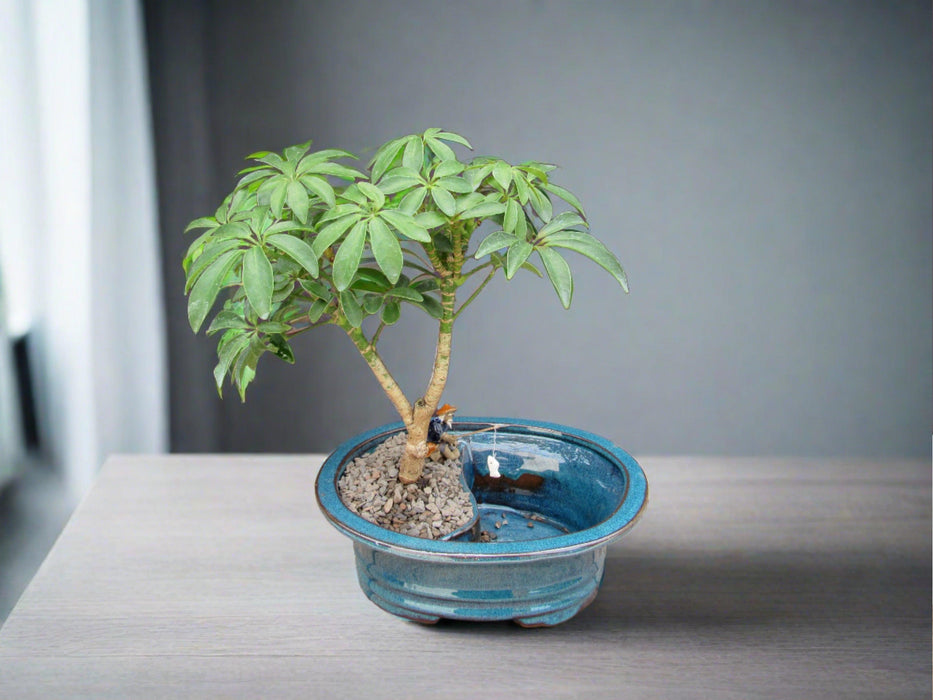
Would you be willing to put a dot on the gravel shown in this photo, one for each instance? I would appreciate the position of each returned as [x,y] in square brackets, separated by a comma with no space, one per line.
[434,507]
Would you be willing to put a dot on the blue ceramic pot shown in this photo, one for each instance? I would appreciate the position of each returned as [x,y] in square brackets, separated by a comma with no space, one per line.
[562,495]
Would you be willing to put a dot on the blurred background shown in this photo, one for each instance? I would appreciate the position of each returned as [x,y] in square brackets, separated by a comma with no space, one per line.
[762,169]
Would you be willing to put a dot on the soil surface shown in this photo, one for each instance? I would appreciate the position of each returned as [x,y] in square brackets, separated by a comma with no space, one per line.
[434,507]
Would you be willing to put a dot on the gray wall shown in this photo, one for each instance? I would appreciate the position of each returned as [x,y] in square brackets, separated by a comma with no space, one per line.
[763,170]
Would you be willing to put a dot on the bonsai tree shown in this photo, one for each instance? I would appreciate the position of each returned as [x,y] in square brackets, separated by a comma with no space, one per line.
[306,240]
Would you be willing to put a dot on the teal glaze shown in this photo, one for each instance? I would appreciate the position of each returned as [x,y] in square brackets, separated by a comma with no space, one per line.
[577,489]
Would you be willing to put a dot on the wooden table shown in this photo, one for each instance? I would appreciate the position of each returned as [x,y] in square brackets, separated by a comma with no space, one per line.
[209,577]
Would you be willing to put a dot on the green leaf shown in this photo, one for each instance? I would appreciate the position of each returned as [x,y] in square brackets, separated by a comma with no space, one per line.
[468,201]
[208,286]
[502,173]
[477,173]
[431,306]
[591,247]
[521,187]
[414,153]
[344,172]
[376,277]
[406,173]
[561,222]
[427,284]
[451,136]
[558,271]
[245,369]
[274,327]
[364,285]
[225,320]
[430,219]
[295,152]
[277,198]
[320,187]
[297,250]
[521,224]
[208,255]
[391,312]
[386,249]
[234,229]
[513,211]
[446,168]
[391,185]
[483,211]
[194,250]
[331,233]
[203,222]
[537,170]
[339,211]
[406,225]
[252,177]
[347,259]
[316,310]
[541,204]
[385,156]
[372,193]
[273,159]
[226,357]
[264,192]
[285,287]
[315,289]
[281,348]
[441,150]
[516,257]
[538,166]
[322,157]
[371,303]
[412,201]
[259,219]
[442,242]
[297,199]
[566,195]
[351,308]
[496,240]
[258,280]
[283,226]
[406,293]
[444,200]
[455,184]
[353,194]
[531,268]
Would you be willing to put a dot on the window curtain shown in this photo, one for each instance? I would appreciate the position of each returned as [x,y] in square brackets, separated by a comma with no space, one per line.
[11,436]
[79,241]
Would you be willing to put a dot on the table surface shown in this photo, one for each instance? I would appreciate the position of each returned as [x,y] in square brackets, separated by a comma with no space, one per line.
[217,576]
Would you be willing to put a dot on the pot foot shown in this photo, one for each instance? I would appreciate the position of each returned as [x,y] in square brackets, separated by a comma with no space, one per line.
[549,620]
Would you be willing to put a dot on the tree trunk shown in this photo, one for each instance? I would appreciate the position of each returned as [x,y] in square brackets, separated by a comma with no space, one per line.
[416,447]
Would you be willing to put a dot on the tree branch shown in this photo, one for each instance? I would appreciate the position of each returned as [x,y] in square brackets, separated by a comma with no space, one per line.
[476,292]
[391,387]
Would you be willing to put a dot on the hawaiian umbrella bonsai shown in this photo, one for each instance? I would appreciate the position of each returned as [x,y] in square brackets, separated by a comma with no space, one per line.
[297,251]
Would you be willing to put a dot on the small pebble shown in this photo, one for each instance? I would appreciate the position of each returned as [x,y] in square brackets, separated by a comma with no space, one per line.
[434,507]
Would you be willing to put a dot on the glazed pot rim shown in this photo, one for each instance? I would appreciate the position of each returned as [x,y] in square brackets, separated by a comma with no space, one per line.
[359,529]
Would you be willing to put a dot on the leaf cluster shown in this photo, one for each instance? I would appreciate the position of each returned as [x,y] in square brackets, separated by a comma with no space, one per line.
[306,239]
